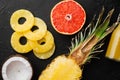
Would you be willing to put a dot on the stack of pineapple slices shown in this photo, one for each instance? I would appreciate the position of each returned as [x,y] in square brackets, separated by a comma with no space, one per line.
[40,40]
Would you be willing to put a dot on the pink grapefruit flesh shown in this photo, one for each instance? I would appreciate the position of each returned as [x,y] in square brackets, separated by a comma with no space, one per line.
[68,17]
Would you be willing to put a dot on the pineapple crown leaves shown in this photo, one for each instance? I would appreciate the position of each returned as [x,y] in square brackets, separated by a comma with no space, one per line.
[96,30]
[85,33]
[82,35]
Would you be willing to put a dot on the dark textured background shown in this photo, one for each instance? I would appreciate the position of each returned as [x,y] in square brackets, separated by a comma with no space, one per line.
[97,69]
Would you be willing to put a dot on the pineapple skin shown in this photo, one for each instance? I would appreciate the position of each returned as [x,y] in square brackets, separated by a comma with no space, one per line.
[62,68]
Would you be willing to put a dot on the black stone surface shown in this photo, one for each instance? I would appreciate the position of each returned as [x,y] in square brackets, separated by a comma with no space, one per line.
[97,69]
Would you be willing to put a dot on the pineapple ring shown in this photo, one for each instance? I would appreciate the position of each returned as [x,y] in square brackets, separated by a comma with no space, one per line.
[17,46]
[19,14]
[43,45]
[38,33]
[45,55]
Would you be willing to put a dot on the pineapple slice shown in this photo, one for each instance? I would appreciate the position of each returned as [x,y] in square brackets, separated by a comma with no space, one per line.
[45,55]
[62,68]
[17,46]
[43,45]
[69,67]
[19,14]
[38,33]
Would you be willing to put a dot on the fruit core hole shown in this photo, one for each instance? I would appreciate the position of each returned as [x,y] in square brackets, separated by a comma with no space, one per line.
[34,28]
[23,40]
[21,20]
[42,42]
[68,17]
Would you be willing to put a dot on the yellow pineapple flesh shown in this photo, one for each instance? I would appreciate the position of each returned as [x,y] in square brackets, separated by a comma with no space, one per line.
[62,68]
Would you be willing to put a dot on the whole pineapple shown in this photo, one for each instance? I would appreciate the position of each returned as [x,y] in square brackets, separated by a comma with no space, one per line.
[69,67]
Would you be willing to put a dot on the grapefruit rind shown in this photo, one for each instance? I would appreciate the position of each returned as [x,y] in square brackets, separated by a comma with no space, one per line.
[69,23]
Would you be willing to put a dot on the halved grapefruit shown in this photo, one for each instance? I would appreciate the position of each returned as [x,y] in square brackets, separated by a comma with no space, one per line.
[68,17]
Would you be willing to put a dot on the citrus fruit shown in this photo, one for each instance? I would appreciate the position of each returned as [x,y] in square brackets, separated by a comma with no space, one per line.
[45,55]
[17,46]
[43,45]
[38,33]
[26,16]
[68,17]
